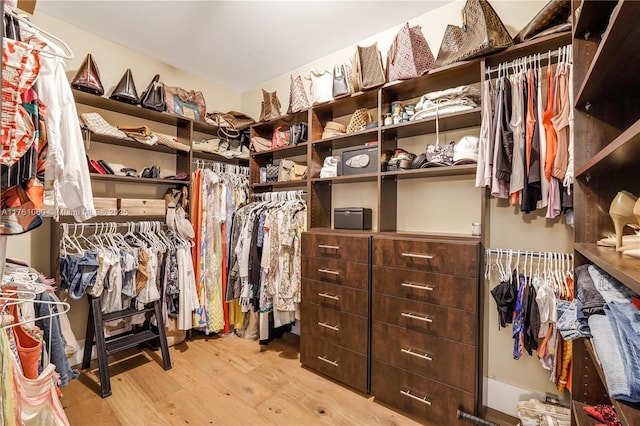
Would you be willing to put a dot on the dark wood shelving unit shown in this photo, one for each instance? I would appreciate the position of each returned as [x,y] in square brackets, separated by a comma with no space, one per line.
[348,140]
[348,104]
[612,74]
[446,122]
[625,269]
[593,18]
[278,185]
[365,177]
[137,180]
[460,170]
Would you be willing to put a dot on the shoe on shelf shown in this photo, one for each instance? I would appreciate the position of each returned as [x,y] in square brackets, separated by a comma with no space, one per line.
[621,211]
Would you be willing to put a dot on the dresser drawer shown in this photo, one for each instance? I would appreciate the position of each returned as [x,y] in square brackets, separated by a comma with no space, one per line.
[340,298]
[442,257]
[334,326]
[443,360]
[335,246]
[428,400]
[336,272]
[446,290]
[334,361]
[452,324]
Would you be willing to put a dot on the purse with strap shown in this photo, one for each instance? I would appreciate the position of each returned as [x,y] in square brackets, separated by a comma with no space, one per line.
[285,168]
[409,55]
[270,106]
[187,104]
[321,86]
[367,66]
[482,33]
[87,78]
[360,118]
[153,96]
[340,85]
[126,91]
[553,18]
[281,137]
[298,100]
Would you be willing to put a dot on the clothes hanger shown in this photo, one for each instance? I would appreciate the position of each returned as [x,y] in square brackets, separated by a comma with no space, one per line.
[10,301]
[30,26]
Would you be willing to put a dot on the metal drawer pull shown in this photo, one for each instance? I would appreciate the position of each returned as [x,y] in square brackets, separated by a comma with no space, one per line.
[328,296]
[328,361]
[421,287]
[421,256]
[408,393]
[330,327]
[410,352]
[327,271]
[412,316]
[324,246]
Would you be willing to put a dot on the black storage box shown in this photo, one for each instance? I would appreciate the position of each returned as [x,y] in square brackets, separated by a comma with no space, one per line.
[359,160]
[351,218]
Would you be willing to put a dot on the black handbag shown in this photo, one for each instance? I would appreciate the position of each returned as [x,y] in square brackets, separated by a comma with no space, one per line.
[153,96]
[126,91]
[298,133]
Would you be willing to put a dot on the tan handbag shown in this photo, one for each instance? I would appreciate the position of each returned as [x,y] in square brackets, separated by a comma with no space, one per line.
[299,172]
[298,100]
[359,119]
[270,106]
[367,66]
[259,144]
[284,170]
[482,32]
[409,55]
[553,16]
[189,104]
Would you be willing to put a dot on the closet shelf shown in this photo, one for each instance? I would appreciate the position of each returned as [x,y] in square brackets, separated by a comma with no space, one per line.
[530,47]
[581,417]
[446,122]
[100,102]
[129,143]
[286,184]
[347,105]
[348,140]
[625,269]
[621,153]
[285,151]
[267,127]
[121,342]
[365,177]
[203,155]
[612,74]
[627,412]
[461,170]
[431,235]
[137,180]
[593,18]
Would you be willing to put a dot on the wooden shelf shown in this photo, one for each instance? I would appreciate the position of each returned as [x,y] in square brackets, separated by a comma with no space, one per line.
[627,412]
[288,119]
[285,151]
[364,177]
[593,18]
[529,47]
[130,143]
[137,111]
[612,74]
[137,180]
[461,170]
[446,122]
[625,269]
[287,184]
[621,153]
[203,155]
[348,104]
[348,140]
[581,417]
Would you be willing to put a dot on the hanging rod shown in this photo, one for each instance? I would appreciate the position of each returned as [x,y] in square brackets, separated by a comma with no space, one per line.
[546,55]
[535,254]
[116,224]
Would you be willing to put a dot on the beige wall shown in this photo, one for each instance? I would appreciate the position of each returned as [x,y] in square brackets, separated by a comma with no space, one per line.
[451,204]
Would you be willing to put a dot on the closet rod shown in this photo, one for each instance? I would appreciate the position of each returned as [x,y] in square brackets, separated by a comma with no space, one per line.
[554,54]
[260,194]
[116,224]
[535,254]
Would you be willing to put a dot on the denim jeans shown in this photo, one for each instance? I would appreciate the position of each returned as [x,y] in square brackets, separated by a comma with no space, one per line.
[625,324]
[78,272]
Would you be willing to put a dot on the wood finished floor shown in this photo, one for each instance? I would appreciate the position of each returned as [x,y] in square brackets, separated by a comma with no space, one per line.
[220,381]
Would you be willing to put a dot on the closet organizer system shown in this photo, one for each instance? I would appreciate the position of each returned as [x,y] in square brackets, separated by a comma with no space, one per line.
[607,133]
[397,314]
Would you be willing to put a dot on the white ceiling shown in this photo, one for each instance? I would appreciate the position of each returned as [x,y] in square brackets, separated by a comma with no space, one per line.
[216,40]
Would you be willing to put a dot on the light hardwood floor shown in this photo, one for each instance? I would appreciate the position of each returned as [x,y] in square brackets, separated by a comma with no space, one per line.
[220,381]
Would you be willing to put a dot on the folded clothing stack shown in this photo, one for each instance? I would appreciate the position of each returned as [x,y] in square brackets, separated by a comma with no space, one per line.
[459,98]
[333,129]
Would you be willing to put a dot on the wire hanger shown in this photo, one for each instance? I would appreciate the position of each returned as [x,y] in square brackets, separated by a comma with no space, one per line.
[31,26]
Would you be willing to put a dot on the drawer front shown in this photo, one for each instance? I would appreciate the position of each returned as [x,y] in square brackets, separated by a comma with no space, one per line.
[337,297]
[446,290]
[428,400]
[443,360]
[452,324]
[334,246]
[335,327]
[336,272]
[334,361]
[442,257]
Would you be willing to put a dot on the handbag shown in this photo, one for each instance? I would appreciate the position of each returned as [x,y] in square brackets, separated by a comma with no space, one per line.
[409,55]
[272,173]
[321,86]
[299,172]
[340,85]
[359,119]
[298,100]
[367,66]
[260,144]
[87,78]
[270,107]
[153,97]
[187,104]
[284,170]
[125,90]
[281,137]
[482,32]
[554,16]
[299,132]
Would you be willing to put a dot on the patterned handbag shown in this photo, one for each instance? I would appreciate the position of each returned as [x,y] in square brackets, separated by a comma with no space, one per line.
[285,169]
[189,104]
[270,106]
[367,66]
[409,56]
[272,172]
[553,16]
[298,100]
[482,32]
[281,137]
[360,118]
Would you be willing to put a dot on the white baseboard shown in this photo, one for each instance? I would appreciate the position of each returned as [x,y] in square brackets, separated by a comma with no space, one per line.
[76,359]
[504,397]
